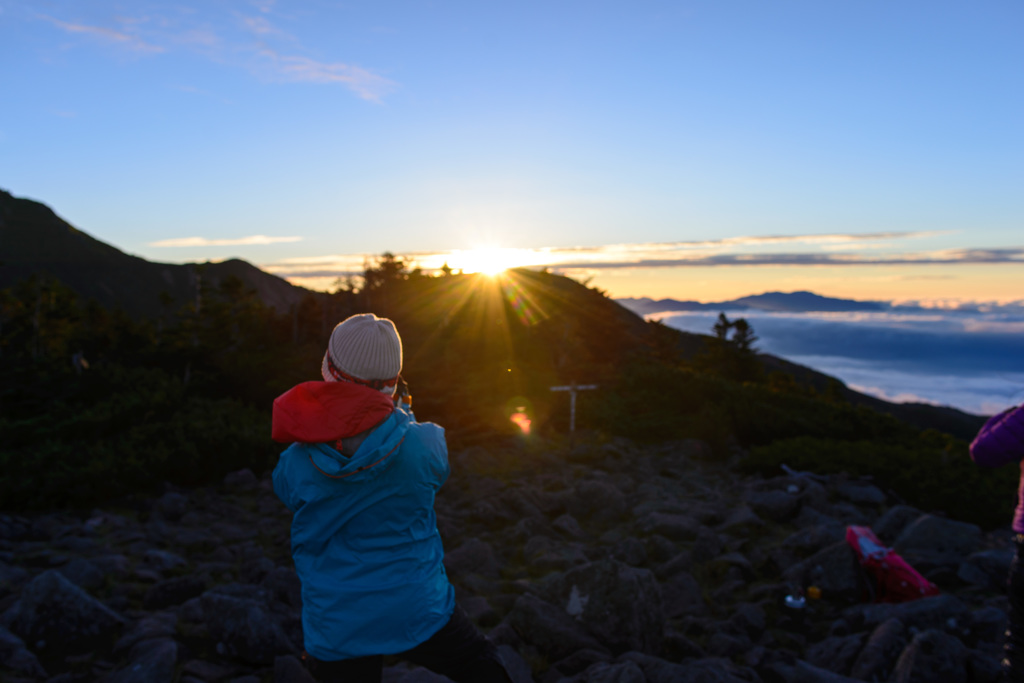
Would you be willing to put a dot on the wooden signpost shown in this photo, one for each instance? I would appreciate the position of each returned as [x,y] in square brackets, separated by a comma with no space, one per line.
[573,389]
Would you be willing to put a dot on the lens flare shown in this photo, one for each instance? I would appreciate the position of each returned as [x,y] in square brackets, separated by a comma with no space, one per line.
[516,298]
[521,419]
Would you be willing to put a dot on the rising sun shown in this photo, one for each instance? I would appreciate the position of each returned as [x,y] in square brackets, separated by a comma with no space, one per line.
[486,260]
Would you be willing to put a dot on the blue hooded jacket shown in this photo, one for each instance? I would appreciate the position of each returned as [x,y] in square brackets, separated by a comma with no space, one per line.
[364,537]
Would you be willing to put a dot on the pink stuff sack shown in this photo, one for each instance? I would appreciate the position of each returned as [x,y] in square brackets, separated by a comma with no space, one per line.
[895,580]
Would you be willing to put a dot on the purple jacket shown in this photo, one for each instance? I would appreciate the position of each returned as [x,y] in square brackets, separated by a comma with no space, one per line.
[1001,441]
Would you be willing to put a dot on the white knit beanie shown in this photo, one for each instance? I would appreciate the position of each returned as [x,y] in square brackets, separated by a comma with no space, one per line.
[365,349]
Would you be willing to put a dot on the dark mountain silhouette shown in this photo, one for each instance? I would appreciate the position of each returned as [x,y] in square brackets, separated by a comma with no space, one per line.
[36,241]
[781,302]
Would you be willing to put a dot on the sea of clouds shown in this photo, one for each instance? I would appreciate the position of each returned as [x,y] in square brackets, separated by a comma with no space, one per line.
[968,357]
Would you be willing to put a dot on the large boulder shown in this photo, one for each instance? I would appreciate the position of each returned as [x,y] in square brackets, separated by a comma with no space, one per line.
[837,653]
[932,657]
[611,672]
[548,628]
[776,505]
[598,501]
[987,568]
[16,657]
[620,605]
[889,526]
[834,570]
[245,628]
[878,657]
[151,661]
[55,614]
[473,557]
[932,541]
[938,611]
[805,672]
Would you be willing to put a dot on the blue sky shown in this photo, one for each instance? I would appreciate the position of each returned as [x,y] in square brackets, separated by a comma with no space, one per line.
[650,146]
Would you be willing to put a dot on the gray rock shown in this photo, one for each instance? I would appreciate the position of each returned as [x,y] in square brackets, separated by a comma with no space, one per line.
[988,624]
[207,671]
[11,578]
[611,672]
[776,505]
[709,670]
[834,570]
[543,552]
[83,573]
[517,668]
[932,612]
[988,568]
[937,541]
[284,586]
[860,493]
[114,566]
[682,595]
[163,560]
[707,546]
[878,657]
[174,591]
[672,526]
[748,618]
[836,654]
[805,672]
[890,525]
[420,674]
[741,521]
[548,628]
[631,551]
[598,501]
[151,661]
[932,657]
[727,645]
[242,480]
[14,655]
[620,605]
[660,549]
[568,525]
[244,625]
[810,540]
[172,506]
[159,625]
[473,557]
[982,667]
[580,661]
[655,669]
[288,669]
[479,610]
[55,614]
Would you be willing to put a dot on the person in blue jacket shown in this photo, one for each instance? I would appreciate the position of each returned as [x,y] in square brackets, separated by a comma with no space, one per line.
[360,479]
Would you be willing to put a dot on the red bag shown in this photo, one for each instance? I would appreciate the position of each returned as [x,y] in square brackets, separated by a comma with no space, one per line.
[895,580]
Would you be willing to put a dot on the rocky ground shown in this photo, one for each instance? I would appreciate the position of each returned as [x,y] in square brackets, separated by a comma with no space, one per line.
[612,563]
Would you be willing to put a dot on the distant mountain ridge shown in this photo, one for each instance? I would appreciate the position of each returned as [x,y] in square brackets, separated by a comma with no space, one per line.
[36,241]
[777,302]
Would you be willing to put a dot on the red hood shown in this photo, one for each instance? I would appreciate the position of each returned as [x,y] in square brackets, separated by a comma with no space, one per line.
[323,412]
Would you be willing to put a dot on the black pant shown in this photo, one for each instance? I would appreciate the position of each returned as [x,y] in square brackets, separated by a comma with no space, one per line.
[1013,650]
[458,651]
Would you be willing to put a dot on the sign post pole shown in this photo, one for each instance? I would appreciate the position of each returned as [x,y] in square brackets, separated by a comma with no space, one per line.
[573,389]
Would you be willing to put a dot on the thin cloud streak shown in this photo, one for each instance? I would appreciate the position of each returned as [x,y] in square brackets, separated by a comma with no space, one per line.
[679,255]
[946,257]
[133,43]
[251,240]
[366,84]
[248,48]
